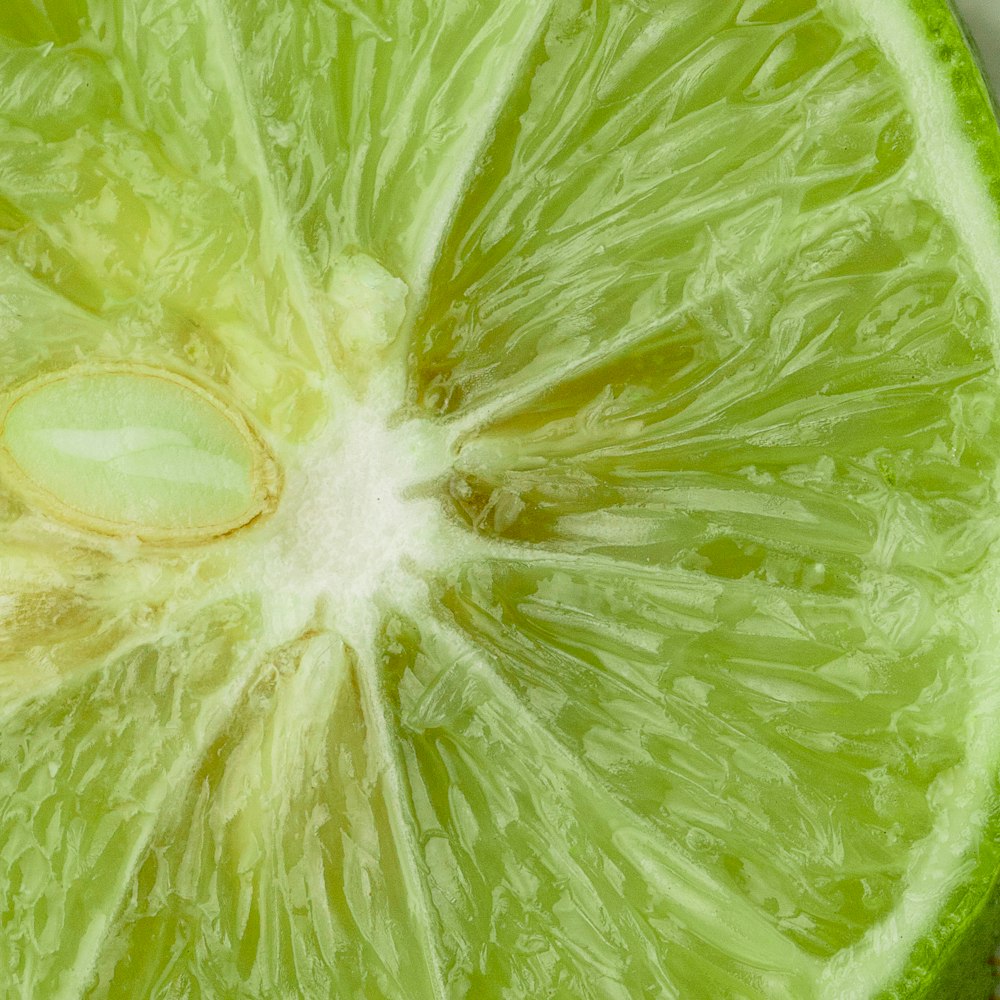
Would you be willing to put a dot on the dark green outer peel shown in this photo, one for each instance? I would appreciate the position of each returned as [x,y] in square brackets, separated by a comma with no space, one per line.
[954,963]
[956,49]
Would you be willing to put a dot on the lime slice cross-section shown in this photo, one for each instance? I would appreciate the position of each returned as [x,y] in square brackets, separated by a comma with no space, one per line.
[498,501]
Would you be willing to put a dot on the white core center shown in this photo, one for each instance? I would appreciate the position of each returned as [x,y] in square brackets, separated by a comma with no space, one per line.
[346,531]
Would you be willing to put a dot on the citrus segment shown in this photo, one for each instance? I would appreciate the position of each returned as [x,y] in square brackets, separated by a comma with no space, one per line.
[280,870]
[440,73]
[87,771]
[43,21]
[630,192]
[129,216]
[757,696]
[584,891]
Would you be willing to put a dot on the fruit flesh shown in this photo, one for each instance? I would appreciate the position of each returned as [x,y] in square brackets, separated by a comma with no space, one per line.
[650,653]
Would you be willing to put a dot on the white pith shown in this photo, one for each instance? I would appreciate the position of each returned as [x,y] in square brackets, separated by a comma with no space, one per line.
[347,527]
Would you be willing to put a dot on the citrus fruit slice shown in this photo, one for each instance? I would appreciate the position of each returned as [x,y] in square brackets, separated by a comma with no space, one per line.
[497,500]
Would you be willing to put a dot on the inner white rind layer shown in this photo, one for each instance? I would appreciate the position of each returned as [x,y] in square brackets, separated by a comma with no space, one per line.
[944,164]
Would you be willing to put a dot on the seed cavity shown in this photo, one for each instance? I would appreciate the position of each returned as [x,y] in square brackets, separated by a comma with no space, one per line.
[135,451]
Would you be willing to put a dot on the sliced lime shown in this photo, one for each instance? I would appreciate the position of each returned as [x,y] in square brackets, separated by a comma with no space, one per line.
[497,501]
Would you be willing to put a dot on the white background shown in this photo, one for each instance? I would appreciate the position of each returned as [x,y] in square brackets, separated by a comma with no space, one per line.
[983,19]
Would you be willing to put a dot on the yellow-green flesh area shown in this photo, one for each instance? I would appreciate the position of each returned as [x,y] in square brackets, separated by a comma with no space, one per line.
[497,500]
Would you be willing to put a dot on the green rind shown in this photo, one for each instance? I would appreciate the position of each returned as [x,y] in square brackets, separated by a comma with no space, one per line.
[953,962]
[979,61]
[953,48]
[963,970]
